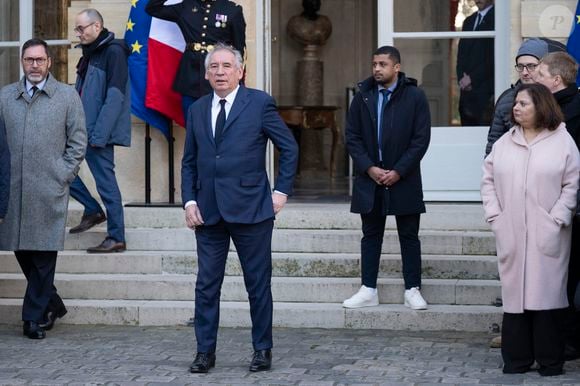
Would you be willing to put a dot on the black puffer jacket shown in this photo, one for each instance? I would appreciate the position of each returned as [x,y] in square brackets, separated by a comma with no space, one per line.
[501,122]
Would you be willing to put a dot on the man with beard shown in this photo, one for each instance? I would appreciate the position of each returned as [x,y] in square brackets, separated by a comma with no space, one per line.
[45,129]
[103,83]
[387,134]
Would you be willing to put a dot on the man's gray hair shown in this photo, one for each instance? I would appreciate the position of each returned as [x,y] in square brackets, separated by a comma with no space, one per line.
[224,47]
[93,15]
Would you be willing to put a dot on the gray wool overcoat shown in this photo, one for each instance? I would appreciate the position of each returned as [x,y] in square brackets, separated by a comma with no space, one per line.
[47,138]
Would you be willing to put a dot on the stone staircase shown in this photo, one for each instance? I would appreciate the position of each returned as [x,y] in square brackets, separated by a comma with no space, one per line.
[315,267]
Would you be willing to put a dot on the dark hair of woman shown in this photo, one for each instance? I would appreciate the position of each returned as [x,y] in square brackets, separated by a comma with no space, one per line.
[548,112]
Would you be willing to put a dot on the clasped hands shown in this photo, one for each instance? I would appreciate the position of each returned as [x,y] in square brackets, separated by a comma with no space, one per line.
[193,216]
[383,177]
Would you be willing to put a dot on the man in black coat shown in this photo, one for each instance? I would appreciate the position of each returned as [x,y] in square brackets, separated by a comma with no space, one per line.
[4,171]
[557,71]
[475,68]
[203,23]
[387,157]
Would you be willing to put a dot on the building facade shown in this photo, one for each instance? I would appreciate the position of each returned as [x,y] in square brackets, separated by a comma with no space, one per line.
[426,32]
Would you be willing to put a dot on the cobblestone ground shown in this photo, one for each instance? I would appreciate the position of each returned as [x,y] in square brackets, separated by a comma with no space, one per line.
[115,355]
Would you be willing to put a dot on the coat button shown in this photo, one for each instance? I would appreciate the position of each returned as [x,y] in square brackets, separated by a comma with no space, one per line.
[218,156]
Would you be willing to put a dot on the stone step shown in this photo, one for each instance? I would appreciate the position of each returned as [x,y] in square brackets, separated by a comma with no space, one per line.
[283,264]
[292,315]
[284,289]
[439,216]
[299,240]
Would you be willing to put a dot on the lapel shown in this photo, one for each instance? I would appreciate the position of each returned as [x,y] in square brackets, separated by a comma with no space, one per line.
[371,100]
[240,103]
[206,112]
[487,21]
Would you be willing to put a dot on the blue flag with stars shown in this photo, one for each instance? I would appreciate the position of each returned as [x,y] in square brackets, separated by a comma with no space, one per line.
[137,37]
[574,39]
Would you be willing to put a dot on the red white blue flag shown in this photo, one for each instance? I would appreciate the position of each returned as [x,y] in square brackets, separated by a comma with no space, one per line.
[153,63]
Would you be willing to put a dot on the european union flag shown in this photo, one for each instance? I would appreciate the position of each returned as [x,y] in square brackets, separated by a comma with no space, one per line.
[574,39]
[137,38]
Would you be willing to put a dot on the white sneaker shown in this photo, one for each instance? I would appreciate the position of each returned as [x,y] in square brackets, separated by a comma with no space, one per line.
[414,300]
[365,297]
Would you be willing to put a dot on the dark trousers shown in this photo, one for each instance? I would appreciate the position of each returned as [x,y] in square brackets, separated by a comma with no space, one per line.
[101,161]
[532,336]
[41,297]
[373,227]
[253,244]
[571,317]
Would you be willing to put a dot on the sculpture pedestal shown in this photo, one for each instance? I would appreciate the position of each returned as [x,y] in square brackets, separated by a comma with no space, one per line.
[310,77]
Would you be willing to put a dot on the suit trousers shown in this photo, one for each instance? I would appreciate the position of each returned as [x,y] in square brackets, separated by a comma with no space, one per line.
[532,336]
[101,161]
[254,246]
[38,267]
[373,227]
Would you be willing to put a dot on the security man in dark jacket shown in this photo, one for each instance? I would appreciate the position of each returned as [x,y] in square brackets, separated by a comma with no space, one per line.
[387,134]
[203,23]
[4,171]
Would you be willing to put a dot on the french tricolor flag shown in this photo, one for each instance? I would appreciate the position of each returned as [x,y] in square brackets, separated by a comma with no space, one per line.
[156,49]
[166,46]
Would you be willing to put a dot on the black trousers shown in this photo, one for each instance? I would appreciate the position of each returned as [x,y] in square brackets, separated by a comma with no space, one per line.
[533,336]
[41,296]
[571,318]
[373,227]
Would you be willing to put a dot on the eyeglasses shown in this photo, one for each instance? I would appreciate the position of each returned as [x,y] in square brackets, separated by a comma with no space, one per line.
[81,28]
[530,67]
[38,61]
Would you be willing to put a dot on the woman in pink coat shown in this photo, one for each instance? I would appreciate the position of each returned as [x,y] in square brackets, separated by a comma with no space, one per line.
[529,186]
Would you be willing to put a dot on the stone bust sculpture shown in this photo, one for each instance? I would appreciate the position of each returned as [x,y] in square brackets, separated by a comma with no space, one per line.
[310,28]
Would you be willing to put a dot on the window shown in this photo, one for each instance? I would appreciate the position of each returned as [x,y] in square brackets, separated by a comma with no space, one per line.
[21,20]
[429,35]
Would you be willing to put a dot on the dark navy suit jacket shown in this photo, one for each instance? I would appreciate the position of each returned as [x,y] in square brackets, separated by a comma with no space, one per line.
[228,179]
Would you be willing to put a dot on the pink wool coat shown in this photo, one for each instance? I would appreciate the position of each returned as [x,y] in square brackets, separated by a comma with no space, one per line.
[529,197]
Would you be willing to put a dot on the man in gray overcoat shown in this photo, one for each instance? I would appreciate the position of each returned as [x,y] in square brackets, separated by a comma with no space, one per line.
[45,129]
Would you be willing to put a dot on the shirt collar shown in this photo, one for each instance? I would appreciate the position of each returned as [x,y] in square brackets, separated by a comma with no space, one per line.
[229,98]
[485,11]
[39,86]
[391,88]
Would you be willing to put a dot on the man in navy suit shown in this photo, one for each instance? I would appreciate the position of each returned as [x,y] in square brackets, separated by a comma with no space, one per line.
[475,68]
[226,193]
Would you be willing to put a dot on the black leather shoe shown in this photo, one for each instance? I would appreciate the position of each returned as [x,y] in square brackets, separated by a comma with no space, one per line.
[89,221]
[108,246]
[261,361]
[33,330]
[51,317]
[203,362]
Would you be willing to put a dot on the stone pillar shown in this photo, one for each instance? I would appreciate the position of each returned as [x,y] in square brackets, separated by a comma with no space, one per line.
[310,76]
[312,31]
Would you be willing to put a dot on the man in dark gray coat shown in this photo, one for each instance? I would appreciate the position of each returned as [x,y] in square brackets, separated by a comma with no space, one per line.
[45,129]
[387,134]
[4,172]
